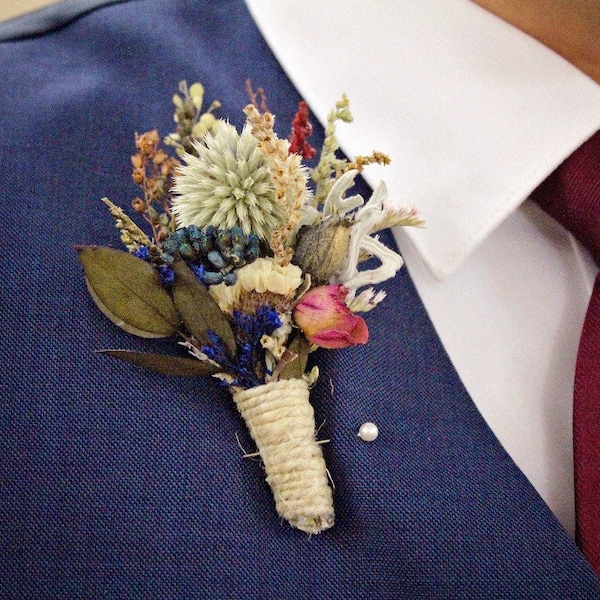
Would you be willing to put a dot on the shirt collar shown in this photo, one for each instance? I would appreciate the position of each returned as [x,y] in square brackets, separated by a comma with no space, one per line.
[474,113]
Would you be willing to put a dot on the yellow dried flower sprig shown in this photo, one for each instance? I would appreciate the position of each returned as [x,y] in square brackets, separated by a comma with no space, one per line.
[290,179]
[330,165]
[153,171]
[192,123]
[131,235]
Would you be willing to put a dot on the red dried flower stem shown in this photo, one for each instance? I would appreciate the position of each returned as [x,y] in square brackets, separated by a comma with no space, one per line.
[301,131]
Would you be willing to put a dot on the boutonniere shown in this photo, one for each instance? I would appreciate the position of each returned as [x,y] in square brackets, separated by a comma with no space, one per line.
[250,260]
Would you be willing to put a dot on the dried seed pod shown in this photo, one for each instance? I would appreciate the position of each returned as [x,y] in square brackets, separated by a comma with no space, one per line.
[322,249]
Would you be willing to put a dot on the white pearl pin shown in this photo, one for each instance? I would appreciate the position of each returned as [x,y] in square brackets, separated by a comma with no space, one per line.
[368,432]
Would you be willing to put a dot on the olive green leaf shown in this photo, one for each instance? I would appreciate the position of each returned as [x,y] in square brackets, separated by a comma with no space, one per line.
[295,366]
[164,363]
[128,291]
[197,309]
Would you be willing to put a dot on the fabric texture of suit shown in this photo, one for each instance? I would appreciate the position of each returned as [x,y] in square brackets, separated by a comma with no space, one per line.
[118,483]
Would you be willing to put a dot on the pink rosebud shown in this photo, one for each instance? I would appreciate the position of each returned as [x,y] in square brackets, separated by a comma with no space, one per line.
[326,320]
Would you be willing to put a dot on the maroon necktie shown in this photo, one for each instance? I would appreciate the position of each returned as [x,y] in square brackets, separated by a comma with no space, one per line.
[572,196]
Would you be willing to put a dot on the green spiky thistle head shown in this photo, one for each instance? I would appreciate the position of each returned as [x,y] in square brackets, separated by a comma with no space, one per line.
[229,184]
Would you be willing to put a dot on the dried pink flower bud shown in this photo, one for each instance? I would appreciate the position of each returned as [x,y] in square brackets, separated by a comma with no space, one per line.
[326,321]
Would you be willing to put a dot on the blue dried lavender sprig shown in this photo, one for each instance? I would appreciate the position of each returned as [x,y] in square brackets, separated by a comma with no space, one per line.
[165,270]
[253,327]
[247,367]
[269,318]
[217,251]
[167,275]
[143,252]
[249,331]
[244,376]
[215,349]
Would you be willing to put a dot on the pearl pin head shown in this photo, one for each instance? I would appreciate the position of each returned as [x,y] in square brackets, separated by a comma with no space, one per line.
[368,432]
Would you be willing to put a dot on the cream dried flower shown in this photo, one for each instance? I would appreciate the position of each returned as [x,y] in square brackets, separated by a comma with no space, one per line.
[263,276]
[290,179]
[229,184]
[365,301]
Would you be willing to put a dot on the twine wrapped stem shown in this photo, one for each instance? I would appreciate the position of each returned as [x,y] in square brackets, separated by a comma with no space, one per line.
[281,422]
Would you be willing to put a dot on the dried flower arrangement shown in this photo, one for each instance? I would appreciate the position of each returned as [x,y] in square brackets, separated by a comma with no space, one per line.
[253,262]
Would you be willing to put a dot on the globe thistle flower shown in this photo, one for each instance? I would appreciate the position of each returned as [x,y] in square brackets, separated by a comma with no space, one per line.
[229,184]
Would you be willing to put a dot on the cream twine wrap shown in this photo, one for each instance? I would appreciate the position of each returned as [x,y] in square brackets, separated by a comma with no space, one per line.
[281,421]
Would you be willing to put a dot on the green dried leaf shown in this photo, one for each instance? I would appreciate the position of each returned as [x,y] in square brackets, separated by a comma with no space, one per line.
[128,291]
[164,364]
[197,309]
[294,369]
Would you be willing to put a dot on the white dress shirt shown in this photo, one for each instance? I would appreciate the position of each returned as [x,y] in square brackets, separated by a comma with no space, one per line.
[474,114]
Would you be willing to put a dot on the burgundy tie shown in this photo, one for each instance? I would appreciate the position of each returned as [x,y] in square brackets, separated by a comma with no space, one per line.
[572,196]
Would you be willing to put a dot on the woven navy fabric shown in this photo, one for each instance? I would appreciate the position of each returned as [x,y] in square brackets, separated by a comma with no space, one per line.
[118,483]
[48,18]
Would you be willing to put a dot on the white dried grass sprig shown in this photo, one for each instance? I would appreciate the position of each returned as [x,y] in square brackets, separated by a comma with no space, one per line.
[290,178]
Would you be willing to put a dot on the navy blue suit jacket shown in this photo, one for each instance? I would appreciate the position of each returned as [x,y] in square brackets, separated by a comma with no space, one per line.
[119,483]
